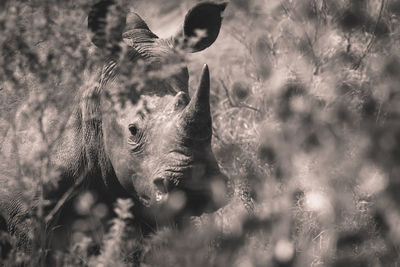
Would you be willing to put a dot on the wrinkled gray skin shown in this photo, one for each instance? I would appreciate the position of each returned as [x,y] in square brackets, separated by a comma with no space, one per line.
[155,150]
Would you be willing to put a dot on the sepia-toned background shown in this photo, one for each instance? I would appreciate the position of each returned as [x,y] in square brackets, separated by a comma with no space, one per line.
[305,101]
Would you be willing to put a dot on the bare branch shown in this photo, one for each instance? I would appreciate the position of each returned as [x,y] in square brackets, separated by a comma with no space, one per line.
[371,42]
[310,41]
[67,195]
[232,103]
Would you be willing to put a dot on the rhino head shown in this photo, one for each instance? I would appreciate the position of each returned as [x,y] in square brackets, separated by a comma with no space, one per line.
[159,142]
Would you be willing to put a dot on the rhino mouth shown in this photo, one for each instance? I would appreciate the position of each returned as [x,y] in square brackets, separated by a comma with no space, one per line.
[195,186]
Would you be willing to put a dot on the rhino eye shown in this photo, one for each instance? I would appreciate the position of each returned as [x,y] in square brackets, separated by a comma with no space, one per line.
[135,140]
[133,129]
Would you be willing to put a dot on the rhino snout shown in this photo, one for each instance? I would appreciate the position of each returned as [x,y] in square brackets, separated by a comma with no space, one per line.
[199,197]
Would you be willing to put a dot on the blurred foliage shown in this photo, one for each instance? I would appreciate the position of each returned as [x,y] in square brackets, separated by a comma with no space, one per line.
[305,104]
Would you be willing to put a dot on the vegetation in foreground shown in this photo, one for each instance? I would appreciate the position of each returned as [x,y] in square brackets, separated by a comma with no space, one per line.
[305,104]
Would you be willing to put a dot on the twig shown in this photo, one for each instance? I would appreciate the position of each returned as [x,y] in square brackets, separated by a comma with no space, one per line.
[314,56]
[348,39]
[39,42]
[371,42]
[379,113]
[232,103]
[242,40]
[67,195]
[216,135]
[310,42]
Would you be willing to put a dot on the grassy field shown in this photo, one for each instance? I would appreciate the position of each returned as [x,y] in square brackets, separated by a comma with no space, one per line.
[305,102]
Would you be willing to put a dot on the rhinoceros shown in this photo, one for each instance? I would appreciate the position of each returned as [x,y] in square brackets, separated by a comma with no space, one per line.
[155,146]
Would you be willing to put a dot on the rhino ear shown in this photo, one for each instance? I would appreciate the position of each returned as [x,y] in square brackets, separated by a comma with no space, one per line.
[106,22]
[137,31]
[201,27]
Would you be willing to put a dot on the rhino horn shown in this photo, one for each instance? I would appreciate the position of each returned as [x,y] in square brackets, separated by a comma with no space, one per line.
[197,116]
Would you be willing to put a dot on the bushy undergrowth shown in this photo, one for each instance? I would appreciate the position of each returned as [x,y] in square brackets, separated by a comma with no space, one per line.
[305,104]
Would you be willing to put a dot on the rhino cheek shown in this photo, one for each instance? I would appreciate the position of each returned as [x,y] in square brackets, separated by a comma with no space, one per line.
[121,163]
[118,152]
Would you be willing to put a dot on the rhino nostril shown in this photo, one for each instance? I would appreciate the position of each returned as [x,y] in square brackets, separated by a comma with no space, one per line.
[161,185]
